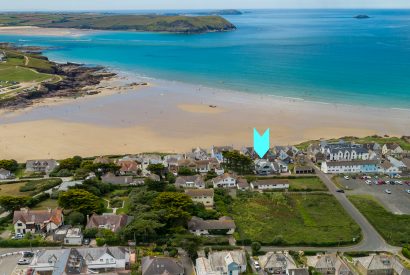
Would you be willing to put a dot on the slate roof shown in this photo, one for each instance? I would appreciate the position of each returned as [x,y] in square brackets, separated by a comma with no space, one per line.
[182,180]
[116,222]
[200,224]
[277,260]
[220,259]
[4,172]
[200,192]
[152,265]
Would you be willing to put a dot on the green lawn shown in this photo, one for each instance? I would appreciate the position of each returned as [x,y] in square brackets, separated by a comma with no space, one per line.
[49,203]
[395,229]
[21,74]
[12,189]
[293,219]
[307,184]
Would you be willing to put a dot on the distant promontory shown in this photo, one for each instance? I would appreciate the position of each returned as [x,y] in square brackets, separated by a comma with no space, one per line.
[125,22]
[362,16]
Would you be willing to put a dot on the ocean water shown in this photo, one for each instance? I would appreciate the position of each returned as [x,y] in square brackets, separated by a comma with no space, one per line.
[315,55]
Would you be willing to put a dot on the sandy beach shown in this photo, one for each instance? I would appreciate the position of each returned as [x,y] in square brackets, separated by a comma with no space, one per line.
[32,30]
[170,116]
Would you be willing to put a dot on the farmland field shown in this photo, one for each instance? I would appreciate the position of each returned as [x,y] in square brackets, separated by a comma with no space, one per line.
[293,219]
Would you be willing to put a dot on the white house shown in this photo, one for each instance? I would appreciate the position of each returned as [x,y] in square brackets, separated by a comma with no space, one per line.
[387,168]
[270,184]
[5,174]
[392,149]
[204,196]
[37,221]
[346,167]
[263,167]
[73,237]
[222,263]
[224,181]
[81,260]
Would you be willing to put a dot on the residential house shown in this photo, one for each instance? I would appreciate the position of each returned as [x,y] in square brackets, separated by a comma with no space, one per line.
[198,154]
[195,181]
[344,151]
[392,149]
[346,167]
[376,264]
[113,179]
[2,56]
[280,166]
[329,264]
[406,162]
[68,235]
[224,181]
[41,165]
[102,160]
[5,174]
[249,152]
[397,163]
[204,196]
[200,226]
[129,167]
[303,169]
[37,221]
[203,166]
[187,164]
[386,167]
[108,221]
[263,167]
[280,263]
[217,152]
[222,263]
[91,260]
[159,265]
[270,184]
[242,184]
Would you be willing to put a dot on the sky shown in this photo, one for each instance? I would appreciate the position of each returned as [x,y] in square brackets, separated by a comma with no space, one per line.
[24,5]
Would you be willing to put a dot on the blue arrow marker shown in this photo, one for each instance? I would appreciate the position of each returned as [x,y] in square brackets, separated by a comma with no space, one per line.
[261,144]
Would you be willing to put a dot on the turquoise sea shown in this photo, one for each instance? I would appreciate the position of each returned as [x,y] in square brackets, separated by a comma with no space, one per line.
[316,55]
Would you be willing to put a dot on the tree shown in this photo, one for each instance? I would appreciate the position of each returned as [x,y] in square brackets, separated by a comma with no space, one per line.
[75,218]
[185,171]
[237,162]
[70,163]
[11,203]
[81,201]
[153,185]
[175,209]
[188,242]
[157,169]
[171,178]
[256,247]
[143,230]
[9,164]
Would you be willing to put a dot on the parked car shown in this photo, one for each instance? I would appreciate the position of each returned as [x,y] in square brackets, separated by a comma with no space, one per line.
[86,241]
[340,191]
[399,182]
[27,254]
[408,191]
[407,182]
[24,261]
[368,182]
[18,236]
[381,182]
[346,177]
[387,191]
[257,266]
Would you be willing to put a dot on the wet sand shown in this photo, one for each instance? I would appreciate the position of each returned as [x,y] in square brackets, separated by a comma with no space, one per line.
[32,30]
[174,117]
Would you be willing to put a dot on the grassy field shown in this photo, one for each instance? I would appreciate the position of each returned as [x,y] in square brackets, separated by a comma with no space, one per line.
[49,203]
[307,184]
[163,23]
[21,74]
[12,189]
[395,229]
[293,219]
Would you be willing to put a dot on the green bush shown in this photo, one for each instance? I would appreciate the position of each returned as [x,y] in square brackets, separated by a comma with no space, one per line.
[406,251]
[100,241]
[27,243]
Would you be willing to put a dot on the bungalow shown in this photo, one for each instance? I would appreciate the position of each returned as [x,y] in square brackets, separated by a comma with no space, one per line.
[224,181]
[356,166]
[305,169]
[113,179]
[41,166]
[159,265]
[270,184]
[199,226]
[226,262]
[5,174]
[108,221]
[37,221]
[280,263]
[195,181]
[392,149]
[129,167]
[379,265]
[90,260]
[328,264]
[204,196]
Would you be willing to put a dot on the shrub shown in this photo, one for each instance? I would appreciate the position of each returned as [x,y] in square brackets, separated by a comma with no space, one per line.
[406,251]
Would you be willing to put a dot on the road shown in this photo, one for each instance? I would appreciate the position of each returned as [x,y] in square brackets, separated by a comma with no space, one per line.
[372,241]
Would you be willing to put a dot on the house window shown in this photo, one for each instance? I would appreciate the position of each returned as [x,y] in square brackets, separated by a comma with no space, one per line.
[19,224]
